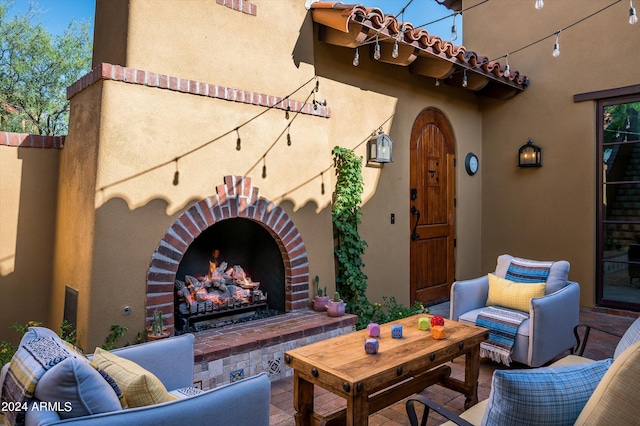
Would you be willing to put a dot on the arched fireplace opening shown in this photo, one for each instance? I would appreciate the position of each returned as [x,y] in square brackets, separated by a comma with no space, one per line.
[226,245]
[235,209]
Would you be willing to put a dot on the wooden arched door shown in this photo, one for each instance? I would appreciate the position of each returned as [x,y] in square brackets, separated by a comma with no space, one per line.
[432,207]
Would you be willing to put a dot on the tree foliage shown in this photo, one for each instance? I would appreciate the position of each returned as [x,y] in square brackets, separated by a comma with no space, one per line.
[36,67]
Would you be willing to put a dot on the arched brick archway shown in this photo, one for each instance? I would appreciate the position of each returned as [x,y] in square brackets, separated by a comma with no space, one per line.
[236,198]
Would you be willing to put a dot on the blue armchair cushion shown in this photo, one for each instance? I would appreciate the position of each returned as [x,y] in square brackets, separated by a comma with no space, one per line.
[554,273]
[544,396]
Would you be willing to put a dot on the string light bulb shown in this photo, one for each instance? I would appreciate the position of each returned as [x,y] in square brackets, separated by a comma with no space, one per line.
[454,30]
[437,82]
[394,52]
[556,46]
[322,183]
[286,113]
[507,69]
[356,58]
[238,141]
[465,82]
[176,175]
[539,4]
[376,52]
[633,17]
[264,167]
[288,138]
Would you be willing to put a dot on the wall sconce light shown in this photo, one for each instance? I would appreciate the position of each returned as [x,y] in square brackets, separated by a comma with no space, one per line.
[529,155]
[379,149]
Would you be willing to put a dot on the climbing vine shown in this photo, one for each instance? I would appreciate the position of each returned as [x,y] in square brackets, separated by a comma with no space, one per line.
[351,281]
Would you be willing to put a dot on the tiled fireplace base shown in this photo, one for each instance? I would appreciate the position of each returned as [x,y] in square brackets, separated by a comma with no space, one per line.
[231,353]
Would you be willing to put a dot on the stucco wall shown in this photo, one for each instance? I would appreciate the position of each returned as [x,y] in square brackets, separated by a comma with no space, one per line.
[548,212]
[142,129]
[28,184]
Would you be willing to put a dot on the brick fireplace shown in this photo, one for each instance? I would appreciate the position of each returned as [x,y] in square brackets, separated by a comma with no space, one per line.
[236,198]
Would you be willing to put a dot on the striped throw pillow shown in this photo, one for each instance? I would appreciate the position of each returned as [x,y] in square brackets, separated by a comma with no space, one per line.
[528,271]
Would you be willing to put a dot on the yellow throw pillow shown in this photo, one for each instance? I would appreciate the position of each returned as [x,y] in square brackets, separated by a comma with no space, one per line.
[139,386]
[512,295]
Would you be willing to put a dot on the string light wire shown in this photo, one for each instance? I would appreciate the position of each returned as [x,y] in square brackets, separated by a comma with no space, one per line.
[217,138]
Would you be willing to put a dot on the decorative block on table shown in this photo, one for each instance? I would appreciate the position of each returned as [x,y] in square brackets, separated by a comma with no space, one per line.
[373,329]
[396,331]
[371,346]
[424,324]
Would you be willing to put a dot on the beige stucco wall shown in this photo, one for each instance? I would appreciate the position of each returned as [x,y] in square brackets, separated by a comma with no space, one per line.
[131,133]
[28,188]
[550,212]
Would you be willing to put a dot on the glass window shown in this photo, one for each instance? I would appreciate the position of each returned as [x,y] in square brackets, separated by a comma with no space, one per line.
[618,283]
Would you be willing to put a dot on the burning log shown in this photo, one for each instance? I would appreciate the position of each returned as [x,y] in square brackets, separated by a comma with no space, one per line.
[223,287]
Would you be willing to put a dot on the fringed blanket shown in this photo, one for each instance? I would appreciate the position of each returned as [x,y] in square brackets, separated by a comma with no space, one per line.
[28,365]
[503,325]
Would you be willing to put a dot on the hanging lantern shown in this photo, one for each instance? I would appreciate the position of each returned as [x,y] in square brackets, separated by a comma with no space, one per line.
[529,155]
[379,149]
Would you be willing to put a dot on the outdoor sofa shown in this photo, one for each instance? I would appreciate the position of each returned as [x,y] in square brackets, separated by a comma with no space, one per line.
[244,403]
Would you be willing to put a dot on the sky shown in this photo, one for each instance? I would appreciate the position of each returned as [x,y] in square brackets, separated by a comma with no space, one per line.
[56,14]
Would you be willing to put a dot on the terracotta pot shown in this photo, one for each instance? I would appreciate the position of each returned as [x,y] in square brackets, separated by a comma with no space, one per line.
[151,337]
[320,303]
[335,309]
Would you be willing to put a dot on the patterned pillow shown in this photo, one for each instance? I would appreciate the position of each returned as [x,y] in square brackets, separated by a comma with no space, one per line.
[542,396]
[528,271]
[140,387]
[509,294]
[555,273]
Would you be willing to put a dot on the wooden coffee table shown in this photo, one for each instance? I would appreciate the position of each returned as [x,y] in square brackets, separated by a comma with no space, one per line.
[401,368]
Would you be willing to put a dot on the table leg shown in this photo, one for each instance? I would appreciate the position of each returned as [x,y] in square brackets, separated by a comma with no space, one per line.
[357,410]
[471,373]
[302,400]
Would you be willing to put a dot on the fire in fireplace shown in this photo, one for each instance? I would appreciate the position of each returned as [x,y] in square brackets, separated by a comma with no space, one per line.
[212,287]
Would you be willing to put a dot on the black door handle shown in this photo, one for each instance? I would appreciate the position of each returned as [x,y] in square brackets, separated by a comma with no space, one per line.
[414,234]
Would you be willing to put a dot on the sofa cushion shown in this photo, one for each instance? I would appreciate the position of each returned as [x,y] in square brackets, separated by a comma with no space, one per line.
[557,272]
[79,389]
[542,396]
[140,387]
[615,400]
[631,336]
[512,295]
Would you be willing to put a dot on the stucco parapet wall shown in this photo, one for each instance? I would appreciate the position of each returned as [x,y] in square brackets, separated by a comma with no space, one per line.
[106,71]
[25,140]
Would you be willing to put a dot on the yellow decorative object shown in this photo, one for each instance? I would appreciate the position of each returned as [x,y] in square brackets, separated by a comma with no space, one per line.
[424,324]
[139,386]
[438,332]
[512,295]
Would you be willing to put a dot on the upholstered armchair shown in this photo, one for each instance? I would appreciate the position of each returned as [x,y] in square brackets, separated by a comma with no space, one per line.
[548,330]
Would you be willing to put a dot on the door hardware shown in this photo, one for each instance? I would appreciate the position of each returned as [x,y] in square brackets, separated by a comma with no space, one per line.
[414,234]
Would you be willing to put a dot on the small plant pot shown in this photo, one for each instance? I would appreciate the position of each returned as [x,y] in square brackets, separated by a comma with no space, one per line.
[151,337]
[320,303]
[335,309]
